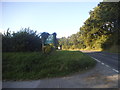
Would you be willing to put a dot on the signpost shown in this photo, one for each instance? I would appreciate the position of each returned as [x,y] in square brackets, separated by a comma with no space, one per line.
[49,40]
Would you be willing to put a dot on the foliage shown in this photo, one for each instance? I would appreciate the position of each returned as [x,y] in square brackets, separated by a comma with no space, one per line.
[48,49]
[21,41]
[24,40]
[100,30]
[35,65]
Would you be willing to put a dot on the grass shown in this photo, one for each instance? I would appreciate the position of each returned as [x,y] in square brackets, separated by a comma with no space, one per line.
[35,65]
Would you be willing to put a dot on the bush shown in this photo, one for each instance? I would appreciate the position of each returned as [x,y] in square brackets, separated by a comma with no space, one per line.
[48,49]
[22,41]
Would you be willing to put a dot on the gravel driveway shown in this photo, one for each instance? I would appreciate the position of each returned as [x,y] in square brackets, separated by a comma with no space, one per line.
[98,77]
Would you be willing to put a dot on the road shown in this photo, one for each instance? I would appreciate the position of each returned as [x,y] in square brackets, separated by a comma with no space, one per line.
[108,59]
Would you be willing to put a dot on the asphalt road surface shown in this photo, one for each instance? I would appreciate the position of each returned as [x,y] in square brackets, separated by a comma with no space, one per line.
[109,59]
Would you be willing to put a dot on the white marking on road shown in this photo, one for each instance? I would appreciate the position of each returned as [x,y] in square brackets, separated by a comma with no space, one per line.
[115,70]
[99,61]
[102,63]
[105,65]
[96,59]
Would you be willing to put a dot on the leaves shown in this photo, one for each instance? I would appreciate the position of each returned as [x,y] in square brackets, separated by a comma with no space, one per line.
[100,29]
[21,41]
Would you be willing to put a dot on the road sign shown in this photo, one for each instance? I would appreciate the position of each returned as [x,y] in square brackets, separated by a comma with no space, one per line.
[49,40]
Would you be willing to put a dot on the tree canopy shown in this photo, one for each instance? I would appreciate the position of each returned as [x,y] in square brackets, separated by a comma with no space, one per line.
[100,30]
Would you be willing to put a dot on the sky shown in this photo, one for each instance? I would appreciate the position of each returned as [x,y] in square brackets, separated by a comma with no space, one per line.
[64,18]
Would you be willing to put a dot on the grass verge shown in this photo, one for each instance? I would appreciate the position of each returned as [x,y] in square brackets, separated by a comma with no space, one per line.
[35,65]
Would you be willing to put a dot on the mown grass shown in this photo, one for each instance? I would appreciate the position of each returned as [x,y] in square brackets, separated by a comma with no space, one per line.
[35,65]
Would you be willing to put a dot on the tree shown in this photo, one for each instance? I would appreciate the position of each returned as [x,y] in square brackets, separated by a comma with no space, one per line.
[7,41]
[22,41]
[100,30]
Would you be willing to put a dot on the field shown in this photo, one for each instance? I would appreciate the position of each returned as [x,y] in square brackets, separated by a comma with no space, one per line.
[35,65]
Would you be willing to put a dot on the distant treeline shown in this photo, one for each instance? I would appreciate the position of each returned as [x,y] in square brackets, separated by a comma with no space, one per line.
[100,30]
[25,40]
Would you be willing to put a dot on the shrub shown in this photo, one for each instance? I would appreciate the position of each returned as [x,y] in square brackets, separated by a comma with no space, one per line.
[24,40]
[48,49]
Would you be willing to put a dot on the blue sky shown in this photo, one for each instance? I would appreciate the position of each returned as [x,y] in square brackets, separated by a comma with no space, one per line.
[64,18]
